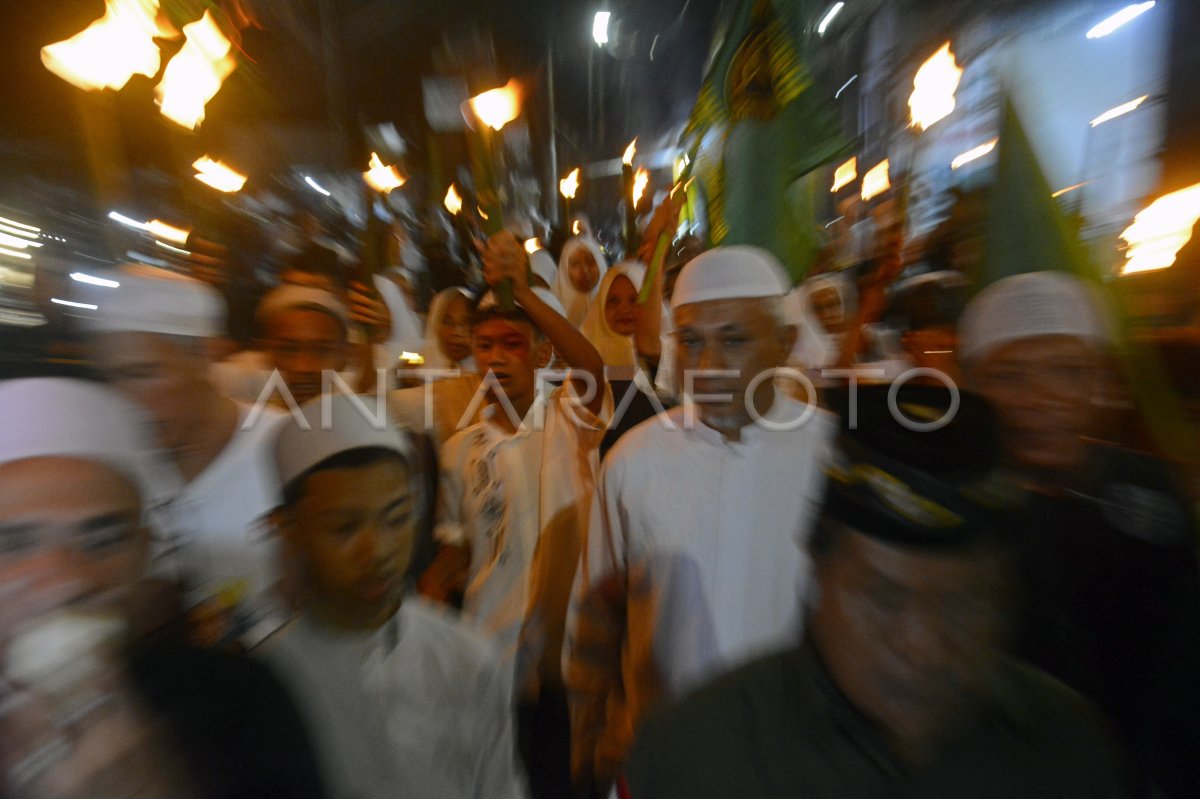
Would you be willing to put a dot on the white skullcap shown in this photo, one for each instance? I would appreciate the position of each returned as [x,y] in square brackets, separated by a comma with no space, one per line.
[153,300]
[334,424]
[289,297]
[543,266]
[43,417]
[489,301]
[727,273]
[1028,305]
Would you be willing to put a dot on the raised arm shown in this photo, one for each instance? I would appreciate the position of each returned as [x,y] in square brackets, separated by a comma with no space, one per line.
[504,257]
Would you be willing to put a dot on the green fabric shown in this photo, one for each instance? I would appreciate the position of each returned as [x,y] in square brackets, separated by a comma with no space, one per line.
[760,126]
[1027,231]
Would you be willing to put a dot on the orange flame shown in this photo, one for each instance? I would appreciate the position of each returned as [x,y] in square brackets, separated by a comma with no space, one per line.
[114,48]
[933,89]
[630,152]
[382,178]
[497,107]
[453,201]
[532,246]
[1161,230]
[196,73]
[876,180]
[845,174]
[218,175]
[570,184]
[640,181]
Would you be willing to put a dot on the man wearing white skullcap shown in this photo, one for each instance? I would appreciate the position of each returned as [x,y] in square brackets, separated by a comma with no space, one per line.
[402,697]
[155,333]
[1108,559]
[303,334]
[90,702]
[691,564]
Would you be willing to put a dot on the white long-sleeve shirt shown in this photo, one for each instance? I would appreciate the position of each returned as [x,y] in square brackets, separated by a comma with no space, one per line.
[419,707]
[694,563]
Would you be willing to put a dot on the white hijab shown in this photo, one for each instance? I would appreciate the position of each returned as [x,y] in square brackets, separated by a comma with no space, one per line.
[816,347]
[435,356]
[615,349]
[574,301]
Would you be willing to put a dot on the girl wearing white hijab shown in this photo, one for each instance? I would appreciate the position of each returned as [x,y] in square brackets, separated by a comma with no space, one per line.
[621,329]
[579,270]
[821,307]
[448,331]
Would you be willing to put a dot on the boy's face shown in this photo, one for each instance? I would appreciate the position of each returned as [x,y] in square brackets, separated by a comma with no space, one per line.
[354,530]
[511,351]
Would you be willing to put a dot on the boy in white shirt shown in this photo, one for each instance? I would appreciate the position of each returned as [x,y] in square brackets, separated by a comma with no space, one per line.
[515,492]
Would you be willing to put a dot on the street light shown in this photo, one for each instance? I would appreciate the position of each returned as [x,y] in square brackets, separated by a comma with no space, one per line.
[600,27]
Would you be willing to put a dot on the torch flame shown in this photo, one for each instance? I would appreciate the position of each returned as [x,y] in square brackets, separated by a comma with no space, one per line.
[196,73]
[161,230]
[114,48]
[640,181]
[532,246]
[453,201]
[218,175]
[630,152]
[382,178]
[576,227]
[933,88]
[497,107]
[1161,230]
[845,174]
[570,184]
[876,181]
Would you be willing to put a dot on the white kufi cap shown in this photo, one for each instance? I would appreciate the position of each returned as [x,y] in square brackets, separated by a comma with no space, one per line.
[1029,305]
[153,300]
[728,273]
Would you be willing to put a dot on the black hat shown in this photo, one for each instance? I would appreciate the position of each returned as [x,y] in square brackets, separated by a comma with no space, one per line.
[917,465]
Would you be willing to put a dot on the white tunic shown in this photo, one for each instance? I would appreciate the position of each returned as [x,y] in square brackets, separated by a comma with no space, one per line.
[416,708]
[694,562]
[216,527]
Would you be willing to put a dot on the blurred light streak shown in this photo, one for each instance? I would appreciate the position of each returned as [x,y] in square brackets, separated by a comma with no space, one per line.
[876,181]
[933,89]
[1161,230]
[19,243]
[110,51]
[85,305]
[170,248]
[220,176]
[21,225]
[316,186]
[845,174]
[1061,192]
[195,74]
[827,20]
[162,230]
[1125,15]
[845,86]
[91,280]
[1120,110]
[497,107]
[974,154]
[15,254]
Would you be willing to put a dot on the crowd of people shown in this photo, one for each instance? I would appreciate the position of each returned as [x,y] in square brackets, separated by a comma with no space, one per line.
[669,527]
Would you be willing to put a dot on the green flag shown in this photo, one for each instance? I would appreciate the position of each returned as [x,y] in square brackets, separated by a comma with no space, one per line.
[759,129]
[1026,231]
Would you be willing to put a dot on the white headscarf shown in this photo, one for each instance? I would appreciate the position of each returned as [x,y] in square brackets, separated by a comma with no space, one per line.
[435,357]
[615,349]
[816,347]
[574,301]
